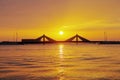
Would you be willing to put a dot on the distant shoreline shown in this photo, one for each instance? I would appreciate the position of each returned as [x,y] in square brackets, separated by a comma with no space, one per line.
[23,43]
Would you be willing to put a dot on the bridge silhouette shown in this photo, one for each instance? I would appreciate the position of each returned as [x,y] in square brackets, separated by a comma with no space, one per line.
[46,39]
[77,38]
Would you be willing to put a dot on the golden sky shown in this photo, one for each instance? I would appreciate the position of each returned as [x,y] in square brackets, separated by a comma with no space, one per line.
[32,18]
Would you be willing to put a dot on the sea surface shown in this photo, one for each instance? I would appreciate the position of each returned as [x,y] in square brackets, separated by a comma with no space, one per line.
[61,61]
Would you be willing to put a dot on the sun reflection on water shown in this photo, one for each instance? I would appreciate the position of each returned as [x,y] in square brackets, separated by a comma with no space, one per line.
[61,56]
[61,51]
[61,73]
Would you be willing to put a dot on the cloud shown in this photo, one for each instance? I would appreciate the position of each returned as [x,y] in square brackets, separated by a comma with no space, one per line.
[96,25]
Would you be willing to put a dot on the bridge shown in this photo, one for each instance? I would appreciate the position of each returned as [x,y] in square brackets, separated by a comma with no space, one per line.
[46,39]
[77,38]
[41,39]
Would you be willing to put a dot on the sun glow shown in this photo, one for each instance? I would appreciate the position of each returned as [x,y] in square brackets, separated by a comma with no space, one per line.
[61,32]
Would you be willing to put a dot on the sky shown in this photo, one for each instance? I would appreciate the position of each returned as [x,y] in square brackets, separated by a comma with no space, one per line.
[33,18]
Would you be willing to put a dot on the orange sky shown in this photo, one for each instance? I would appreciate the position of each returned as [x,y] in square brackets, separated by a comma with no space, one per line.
[32,18]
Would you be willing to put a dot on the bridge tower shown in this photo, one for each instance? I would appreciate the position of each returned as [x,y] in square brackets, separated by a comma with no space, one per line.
[45,38]
[77,38]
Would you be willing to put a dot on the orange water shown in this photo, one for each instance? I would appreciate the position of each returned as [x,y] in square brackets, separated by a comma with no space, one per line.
[60,62]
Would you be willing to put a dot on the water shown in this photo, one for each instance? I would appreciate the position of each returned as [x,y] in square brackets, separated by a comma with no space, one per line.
[60,62]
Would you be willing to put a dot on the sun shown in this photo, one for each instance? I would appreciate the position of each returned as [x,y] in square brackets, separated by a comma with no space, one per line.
[61,32]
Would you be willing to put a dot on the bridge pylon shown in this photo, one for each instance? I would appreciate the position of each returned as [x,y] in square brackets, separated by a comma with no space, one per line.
[45,38]
[77,38]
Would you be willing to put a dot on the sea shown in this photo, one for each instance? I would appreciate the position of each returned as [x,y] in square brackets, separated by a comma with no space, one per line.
[60,61]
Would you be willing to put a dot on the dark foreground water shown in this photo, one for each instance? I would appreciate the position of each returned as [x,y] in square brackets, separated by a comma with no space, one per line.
[60,62]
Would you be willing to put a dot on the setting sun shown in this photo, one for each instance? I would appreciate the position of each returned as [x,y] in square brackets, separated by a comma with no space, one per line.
[61,32]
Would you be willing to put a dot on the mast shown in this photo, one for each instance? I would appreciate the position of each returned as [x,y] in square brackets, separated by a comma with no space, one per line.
[16,37]
[105,36]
